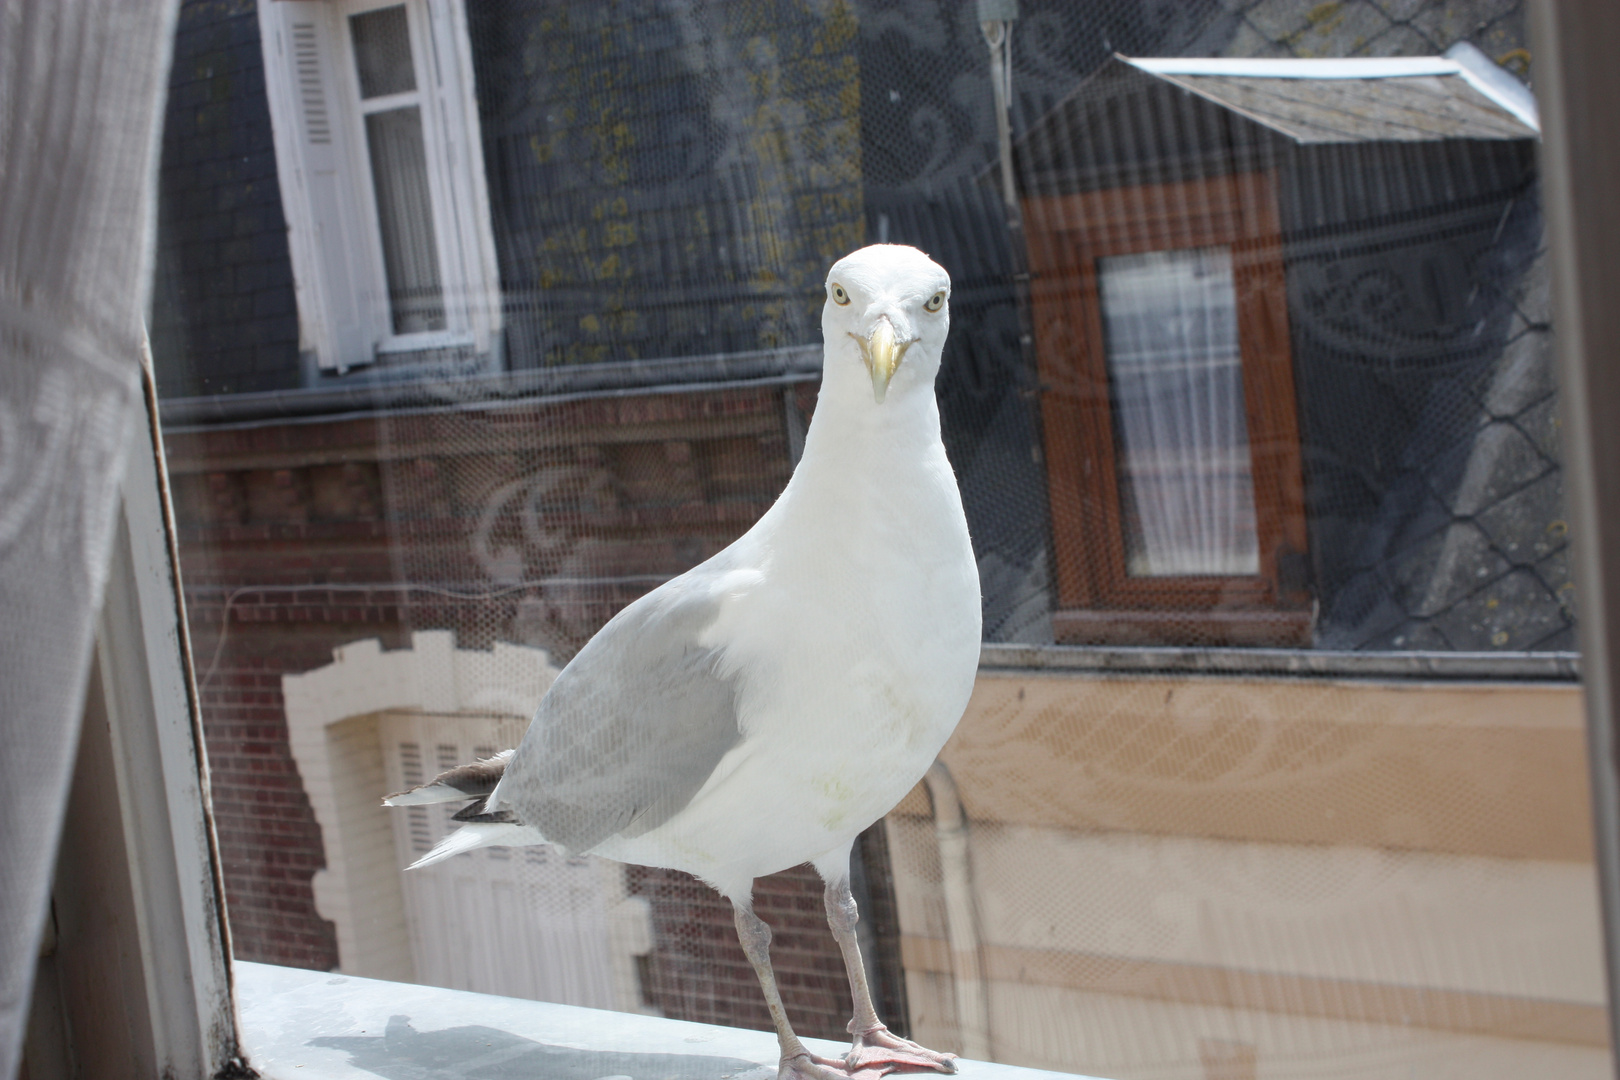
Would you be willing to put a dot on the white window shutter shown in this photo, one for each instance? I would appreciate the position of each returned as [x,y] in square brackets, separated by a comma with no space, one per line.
[316,168]
[522,922]
[475,276]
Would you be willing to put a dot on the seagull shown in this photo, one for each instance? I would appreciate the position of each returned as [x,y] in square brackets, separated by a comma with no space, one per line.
[764,708]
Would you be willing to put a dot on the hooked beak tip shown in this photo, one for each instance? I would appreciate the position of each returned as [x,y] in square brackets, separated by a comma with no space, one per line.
[882,353]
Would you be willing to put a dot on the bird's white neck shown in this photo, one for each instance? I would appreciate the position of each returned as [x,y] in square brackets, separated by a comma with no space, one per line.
[849,428]
[880,469]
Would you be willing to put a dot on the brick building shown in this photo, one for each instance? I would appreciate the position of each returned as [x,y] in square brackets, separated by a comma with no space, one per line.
[635,361]
[650,484]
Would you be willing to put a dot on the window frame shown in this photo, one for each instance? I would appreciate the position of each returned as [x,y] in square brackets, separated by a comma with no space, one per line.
[1575,71]
[356,109]
[140,970]
[334,235]
[1098,601]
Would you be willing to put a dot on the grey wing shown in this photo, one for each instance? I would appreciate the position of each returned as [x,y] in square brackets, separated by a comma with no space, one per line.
[632,727]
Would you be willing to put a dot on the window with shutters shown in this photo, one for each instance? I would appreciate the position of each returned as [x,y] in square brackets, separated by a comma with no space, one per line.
[381,168]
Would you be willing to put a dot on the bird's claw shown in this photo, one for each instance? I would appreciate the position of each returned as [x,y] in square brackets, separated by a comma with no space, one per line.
[808,1066]
[878,1048]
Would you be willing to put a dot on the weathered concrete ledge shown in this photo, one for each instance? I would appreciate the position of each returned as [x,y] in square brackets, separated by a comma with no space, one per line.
[318,1025]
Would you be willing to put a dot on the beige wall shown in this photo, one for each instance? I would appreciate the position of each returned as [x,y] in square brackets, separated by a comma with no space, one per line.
[1236,877]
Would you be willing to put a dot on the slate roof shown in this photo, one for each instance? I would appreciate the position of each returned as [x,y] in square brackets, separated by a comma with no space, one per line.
[1386,99]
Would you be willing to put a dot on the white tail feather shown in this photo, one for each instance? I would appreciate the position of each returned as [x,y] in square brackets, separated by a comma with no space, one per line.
[477,835]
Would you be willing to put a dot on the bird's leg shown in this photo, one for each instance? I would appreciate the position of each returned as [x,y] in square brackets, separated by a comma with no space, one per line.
[875,1045]
[797,1062]
[842,917]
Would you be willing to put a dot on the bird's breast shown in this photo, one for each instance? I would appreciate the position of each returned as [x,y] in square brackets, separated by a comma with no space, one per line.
[862,651]
[849,628]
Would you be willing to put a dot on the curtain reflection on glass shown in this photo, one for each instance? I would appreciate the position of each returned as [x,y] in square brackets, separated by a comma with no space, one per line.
[405,217]
[1182,441]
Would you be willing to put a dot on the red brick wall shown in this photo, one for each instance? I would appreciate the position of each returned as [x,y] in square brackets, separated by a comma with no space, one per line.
[296,538]
[269,841]
[697,970]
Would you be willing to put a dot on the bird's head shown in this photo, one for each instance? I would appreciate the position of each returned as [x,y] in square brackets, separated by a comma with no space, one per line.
[894,303]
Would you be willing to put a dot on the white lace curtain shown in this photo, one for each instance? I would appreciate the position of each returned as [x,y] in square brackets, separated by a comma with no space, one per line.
[1182,439]
[81,94]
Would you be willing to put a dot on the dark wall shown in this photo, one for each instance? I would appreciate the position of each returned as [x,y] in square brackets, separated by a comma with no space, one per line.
[1425,394]
[223,314]
[1421,354]
[667,180]
[928,147]
[664,181]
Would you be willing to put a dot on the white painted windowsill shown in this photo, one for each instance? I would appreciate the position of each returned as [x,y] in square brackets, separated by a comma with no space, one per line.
[300,1025]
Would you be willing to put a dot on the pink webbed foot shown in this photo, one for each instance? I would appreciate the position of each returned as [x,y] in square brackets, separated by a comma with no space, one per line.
[880,1049]
[807,1066]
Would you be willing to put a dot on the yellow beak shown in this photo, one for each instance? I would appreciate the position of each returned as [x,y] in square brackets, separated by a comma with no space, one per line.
[882,355]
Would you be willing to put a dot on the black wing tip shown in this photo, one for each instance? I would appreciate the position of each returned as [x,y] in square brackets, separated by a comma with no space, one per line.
[477,812]
[474,781]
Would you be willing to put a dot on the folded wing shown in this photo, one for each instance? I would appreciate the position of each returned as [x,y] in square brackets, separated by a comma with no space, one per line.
[630,730]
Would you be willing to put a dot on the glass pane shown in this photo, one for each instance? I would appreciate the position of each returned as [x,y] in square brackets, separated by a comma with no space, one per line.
[1176,377]
[405,216]
[382,51]
[1170,871]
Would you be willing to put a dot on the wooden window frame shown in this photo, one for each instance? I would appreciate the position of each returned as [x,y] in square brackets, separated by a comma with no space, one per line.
[1098,602]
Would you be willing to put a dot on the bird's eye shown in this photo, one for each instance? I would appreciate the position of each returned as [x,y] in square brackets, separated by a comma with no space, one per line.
[935,302]
[839,295]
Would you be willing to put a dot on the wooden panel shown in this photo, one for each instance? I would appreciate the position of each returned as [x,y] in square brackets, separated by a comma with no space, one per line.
[1502,1015]
[1473,769]
[1150,627]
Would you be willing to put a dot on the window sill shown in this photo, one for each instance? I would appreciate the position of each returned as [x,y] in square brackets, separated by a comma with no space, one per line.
[1275,629]
[426,341]
[300,1025]
[1101,660]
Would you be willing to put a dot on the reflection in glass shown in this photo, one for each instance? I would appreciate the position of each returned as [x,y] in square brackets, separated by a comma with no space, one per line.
[382,52]
[385,566]
[405,216]
[1182,441]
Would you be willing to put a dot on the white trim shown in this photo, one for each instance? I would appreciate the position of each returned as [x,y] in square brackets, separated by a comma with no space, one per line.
[346,722]
[1380,67]
[334,240]
[1496,83]
[147,981]
[430,339]
[468,218]
[313,172]
[332,729]
[149,703]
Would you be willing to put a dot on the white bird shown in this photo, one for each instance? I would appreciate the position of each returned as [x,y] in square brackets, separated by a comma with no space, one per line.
[763,709]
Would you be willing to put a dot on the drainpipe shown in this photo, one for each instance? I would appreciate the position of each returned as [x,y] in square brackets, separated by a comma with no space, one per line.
[996,18]
[961,914]
[995,21]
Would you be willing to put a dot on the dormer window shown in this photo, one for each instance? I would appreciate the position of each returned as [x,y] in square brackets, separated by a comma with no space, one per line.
[1178,509]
